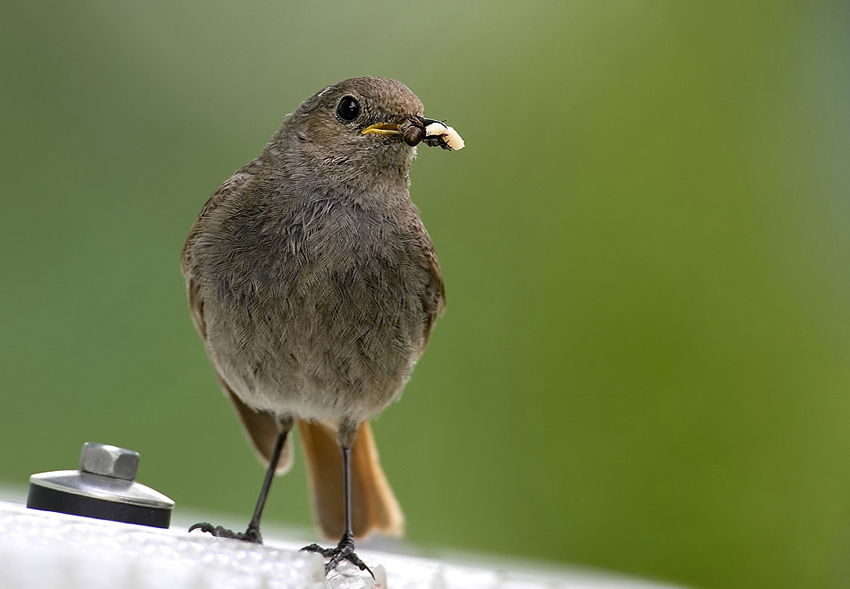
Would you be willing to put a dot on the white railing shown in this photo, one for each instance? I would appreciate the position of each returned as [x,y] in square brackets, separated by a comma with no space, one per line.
[45,550]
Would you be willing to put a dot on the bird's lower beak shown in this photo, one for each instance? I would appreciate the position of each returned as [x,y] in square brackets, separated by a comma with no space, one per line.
[382,129]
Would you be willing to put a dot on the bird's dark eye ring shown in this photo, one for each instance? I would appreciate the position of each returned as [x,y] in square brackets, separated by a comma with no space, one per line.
[348,108]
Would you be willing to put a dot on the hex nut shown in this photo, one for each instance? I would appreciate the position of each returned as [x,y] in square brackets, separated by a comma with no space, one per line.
[110,461]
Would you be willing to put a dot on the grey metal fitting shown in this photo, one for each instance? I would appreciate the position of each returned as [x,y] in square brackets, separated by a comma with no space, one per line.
[103,488]
[110,461]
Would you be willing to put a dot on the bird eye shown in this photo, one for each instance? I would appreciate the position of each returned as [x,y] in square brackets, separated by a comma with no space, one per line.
[348,108]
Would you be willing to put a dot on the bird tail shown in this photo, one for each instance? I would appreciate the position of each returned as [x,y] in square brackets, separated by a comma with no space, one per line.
[374,508]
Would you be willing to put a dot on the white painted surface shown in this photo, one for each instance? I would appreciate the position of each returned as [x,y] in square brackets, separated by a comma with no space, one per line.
[43,550]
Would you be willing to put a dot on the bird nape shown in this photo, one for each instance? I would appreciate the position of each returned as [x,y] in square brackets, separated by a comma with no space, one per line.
[315,287]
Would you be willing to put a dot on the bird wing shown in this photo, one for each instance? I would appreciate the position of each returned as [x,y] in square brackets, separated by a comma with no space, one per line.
[434,297]
[196,302]
[262,427]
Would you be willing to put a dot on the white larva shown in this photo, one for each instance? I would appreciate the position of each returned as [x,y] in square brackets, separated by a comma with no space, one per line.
[449,135]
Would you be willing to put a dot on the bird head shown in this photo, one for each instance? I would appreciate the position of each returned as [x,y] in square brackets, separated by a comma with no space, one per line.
[360,130]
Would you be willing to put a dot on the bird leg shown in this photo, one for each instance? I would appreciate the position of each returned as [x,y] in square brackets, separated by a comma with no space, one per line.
[252,534]
[342,551]
[345,549]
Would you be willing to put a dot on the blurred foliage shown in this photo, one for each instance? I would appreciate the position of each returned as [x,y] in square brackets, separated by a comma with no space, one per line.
[645,361]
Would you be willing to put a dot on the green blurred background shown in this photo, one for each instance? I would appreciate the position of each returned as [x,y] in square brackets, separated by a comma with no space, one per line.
[645,361]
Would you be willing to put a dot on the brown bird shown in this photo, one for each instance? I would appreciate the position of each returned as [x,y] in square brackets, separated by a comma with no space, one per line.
[315,286]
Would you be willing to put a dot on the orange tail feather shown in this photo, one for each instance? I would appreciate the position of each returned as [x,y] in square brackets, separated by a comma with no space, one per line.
[374,508]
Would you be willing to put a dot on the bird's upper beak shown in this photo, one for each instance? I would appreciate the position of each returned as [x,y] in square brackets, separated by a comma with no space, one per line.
[383,129]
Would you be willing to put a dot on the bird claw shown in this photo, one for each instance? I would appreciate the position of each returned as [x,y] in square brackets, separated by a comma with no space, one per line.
[342,551]
[252,534]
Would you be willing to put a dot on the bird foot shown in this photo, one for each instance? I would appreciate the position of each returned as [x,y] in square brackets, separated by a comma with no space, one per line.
[342,551]
[252,534]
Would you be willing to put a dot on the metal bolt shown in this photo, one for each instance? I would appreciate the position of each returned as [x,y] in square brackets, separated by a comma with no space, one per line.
[110,461]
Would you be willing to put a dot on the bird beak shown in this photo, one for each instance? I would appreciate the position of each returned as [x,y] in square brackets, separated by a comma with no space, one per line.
[382,129]
[418,129]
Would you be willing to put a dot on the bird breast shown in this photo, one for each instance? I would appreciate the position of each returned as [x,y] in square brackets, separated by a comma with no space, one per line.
[318,310]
